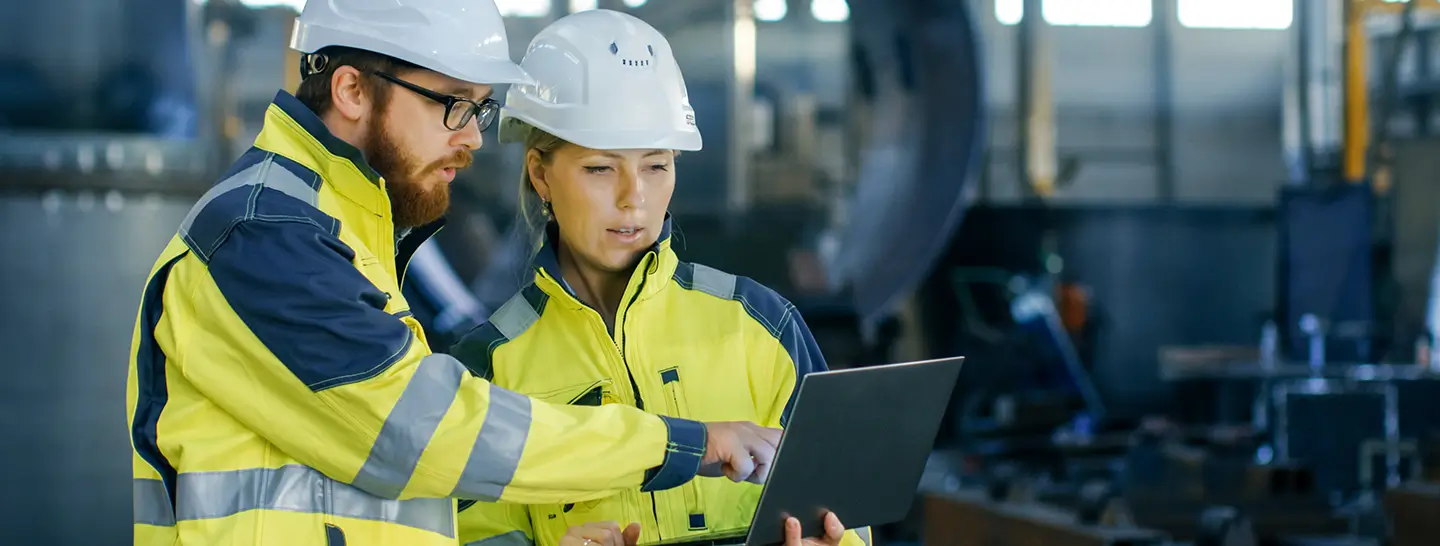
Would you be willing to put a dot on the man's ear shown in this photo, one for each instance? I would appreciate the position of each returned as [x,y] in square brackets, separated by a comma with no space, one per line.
[535,164]
[347,94]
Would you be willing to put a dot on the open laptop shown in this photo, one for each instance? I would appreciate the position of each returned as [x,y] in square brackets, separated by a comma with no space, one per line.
[856,445]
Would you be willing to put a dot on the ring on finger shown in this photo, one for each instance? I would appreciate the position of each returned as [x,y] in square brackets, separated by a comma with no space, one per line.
[587,542]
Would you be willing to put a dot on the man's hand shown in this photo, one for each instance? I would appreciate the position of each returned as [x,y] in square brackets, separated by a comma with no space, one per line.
[834,530]
[738,450]
[601,533]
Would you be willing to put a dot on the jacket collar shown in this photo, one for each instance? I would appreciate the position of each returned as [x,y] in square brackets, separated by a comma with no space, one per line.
[659,262]
[291,127]
[293,130]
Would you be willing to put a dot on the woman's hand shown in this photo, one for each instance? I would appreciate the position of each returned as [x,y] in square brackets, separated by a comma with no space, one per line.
[834,530]
[601,533]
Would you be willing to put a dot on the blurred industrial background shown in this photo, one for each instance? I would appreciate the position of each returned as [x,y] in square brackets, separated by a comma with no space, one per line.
[1189,246]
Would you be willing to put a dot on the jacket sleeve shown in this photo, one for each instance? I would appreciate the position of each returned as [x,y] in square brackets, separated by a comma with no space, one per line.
[495,524]
[795,355]
[792,354]
[297,346]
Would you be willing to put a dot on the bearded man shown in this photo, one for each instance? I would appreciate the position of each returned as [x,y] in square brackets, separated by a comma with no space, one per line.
[280,392]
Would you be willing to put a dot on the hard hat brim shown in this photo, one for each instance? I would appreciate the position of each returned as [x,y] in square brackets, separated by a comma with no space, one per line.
[600,139]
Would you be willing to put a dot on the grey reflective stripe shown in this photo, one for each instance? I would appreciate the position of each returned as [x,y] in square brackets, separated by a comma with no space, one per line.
[497,450]
[265,173]
[514,317]
[295,488]
[864,533]
[512,538]
[409,426]
[714,282]
[152,503]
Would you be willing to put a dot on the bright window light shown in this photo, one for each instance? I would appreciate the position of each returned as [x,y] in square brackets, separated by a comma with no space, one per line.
[577,6]
[1275,14]
[634,3]
[1009,12]
[830,11]
[1093,13]
[769,10]
[296,5]
[523,8]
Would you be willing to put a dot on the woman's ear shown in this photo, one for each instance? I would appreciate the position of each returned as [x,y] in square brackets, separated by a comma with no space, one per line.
[535,165]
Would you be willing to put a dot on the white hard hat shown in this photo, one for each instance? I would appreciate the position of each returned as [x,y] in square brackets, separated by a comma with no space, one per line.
[464,40]
[604,80]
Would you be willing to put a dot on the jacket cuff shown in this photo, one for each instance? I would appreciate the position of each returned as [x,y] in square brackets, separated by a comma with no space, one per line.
[683,451]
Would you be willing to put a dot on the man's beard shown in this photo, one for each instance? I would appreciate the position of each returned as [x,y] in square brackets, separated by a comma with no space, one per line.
[411,204]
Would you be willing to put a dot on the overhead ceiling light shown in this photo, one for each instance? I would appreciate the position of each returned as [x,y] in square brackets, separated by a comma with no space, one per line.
[770,11]
[523,8]
[830,11]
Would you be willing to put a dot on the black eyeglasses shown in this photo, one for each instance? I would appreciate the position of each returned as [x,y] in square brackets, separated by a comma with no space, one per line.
[458,110]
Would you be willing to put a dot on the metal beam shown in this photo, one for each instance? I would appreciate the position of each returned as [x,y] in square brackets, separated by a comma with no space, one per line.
[1384,6]
[740,86]
[1357,111]
[1036,110]
[1164,74]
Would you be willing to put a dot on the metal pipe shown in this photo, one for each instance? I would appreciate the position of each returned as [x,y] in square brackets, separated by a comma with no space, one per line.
[1036,105]
[1164,75]
[1390,91]
[1357,122]
[740,42]
[1304,28]
[1024,43]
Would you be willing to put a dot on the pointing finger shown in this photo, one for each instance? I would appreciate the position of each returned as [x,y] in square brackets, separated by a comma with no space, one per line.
[742,467]
[770,435]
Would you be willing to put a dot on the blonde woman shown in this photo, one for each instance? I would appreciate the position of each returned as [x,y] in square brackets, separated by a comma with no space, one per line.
[613,315]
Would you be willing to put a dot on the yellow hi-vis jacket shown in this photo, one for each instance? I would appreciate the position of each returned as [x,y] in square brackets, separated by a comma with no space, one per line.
[281,393]
[689,342]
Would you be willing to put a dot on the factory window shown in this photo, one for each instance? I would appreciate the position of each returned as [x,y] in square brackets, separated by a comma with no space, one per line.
[1275,14]
[296,5]
[577,6]
[830,11]
[523,8]
[769,10]
[1094,13]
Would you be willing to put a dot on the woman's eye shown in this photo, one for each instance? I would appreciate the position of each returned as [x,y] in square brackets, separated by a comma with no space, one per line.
[597,170]
[660,167]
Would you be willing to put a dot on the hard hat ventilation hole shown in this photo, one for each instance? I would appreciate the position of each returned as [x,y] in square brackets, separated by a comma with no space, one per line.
[614,49]
[651,49]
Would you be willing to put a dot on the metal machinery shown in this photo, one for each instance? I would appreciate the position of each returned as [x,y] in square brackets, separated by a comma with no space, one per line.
[1324,433]
[90,191]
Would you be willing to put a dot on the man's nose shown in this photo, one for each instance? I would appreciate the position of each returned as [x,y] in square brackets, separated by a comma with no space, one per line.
[469,136]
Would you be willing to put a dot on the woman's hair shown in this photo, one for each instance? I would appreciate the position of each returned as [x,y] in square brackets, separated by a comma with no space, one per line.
[533,215]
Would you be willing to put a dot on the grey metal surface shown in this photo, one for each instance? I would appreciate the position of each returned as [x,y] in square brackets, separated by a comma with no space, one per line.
[924,143]
[1416,217]
[1361,373]
[1158,277]
[1167,278]
[38,161]
[73,267]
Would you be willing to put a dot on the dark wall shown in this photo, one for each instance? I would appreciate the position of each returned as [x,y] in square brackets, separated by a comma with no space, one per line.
[1159,276]
[73,269]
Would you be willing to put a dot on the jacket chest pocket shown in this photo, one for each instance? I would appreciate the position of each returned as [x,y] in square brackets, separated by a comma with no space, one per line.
[387,289]
[693,496]
[551,521]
